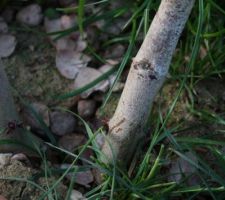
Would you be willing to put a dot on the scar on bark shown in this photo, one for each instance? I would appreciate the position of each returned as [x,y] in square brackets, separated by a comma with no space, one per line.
[152,77]
[142,64]
[145,65]
[119,123]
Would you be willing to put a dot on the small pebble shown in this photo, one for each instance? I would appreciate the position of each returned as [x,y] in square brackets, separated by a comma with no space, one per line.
[76,195]
[3,26]
[71,142]
[5,159]
[83,178]
[8,14]
[32,121]
[7,45]
[86,108]
[30,15]
[62,123]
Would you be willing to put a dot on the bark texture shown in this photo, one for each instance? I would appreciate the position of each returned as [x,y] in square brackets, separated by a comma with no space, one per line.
[147,74]
[8,113]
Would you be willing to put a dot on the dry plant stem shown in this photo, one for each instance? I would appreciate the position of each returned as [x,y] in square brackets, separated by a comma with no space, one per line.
[147,74]
[8,113]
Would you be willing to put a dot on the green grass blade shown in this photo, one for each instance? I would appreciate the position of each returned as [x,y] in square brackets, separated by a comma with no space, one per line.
[81,15]
[86,87]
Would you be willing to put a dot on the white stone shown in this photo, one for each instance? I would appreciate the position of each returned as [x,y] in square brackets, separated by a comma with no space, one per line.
[62,123]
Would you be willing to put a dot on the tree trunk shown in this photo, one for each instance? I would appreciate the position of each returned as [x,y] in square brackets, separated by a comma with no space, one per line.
[16,140]
[147,74]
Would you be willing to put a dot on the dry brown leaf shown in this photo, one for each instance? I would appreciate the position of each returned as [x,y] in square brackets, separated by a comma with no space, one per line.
[86,76]
[70,62]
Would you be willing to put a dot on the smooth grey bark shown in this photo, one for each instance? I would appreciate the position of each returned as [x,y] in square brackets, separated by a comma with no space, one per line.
[8,113]
[147,74]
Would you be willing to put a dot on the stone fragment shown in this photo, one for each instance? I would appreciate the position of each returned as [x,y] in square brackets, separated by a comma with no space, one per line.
[7,45]
[115,51]
[86,108]
[76,195]
[86,156]
[8,14]
[62,123]
[100,139]
[71,142]
[3,26]
[83,178]
[42,111]
[30,15]
[108,66]
[21,157]
[58,24]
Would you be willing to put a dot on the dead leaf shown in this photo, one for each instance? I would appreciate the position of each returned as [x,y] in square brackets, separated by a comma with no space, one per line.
[86,76]
[81,177]
[108,66]
[84,178]
[59,24]
[69,63]
[72,43]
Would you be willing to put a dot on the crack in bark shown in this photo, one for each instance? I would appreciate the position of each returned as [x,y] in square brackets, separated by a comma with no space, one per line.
[118,130]
[119,123]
